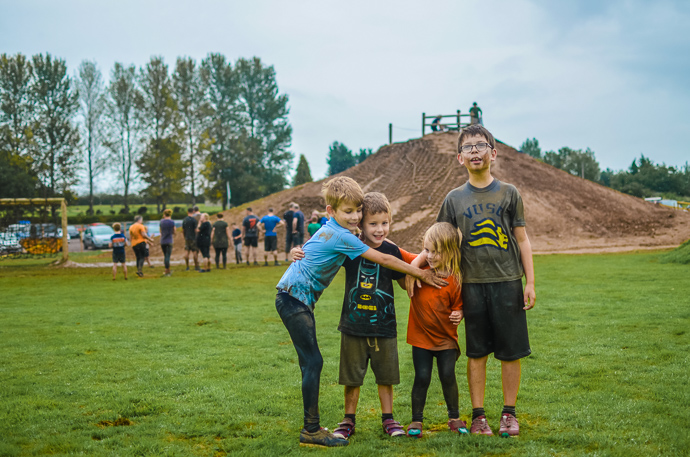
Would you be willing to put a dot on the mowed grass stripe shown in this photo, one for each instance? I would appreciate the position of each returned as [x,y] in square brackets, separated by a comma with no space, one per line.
[200,364]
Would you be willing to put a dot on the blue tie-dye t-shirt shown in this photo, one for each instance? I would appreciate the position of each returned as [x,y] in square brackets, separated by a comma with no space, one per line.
[324,254]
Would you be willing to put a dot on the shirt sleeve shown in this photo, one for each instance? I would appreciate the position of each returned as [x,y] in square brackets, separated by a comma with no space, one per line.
[518,211]
[397,252]
[407,257]
[446,213]
[456,296]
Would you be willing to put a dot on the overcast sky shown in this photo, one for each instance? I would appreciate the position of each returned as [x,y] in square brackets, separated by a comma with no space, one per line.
[609,75]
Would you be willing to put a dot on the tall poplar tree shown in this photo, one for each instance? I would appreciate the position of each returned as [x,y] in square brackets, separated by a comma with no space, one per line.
[16,104]
[17,174]
[92,106]
[189,92]
[223,95]
[56,136]
[124,103]
[264,117]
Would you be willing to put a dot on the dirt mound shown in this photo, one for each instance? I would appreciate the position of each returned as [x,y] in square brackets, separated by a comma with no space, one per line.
[564,213]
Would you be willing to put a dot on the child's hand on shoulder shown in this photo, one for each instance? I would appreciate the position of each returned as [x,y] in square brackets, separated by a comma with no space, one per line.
[456,317]
[297,253]
[430,277]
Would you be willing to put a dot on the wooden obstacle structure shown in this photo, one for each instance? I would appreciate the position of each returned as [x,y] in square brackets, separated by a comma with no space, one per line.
[448,121]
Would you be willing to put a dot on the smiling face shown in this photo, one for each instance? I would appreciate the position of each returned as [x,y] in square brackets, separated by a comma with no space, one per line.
[375,228]
[477,162]
[347,215]
[432,257]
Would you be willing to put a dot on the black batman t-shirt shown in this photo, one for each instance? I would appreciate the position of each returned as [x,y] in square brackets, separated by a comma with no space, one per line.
[368,306]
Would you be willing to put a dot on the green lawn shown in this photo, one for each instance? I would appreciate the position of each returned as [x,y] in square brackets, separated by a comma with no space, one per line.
[200,364]
[75,210]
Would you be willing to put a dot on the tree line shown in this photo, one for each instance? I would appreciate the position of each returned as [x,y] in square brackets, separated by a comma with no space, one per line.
[195,130]
[642,179]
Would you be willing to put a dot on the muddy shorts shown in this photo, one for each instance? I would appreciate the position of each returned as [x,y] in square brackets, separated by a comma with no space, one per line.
[119,257]
[251,241]
[495,321]
[190,245]
[357,351]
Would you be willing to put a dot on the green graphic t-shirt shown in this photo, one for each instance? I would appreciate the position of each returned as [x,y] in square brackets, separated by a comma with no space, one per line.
[486,218]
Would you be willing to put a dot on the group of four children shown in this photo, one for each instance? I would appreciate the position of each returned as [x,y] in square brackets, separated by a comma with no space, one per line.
[472,265]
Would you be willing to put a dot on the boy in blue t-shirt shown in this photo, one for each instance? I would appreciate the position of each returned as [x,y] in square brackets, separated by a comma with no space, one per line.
[306,279]
[269,223]
[118,242]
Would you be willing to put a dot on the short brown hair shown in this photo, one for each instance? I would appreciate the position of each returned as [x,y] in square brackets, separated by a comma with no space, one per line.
[117,226]
[342,190]
[374,203]
[167,212]
[476,130]
[219,215]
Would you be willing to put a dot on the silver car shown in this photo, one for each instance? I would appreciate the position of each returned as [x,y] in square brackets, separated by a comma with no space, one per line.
[97,236]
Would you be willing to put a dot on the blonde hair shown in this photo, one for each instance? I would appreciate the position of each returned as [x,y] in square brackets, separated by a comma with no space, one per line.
[167,212]
[203,217]
[446,239]
[375,203]
[342,190]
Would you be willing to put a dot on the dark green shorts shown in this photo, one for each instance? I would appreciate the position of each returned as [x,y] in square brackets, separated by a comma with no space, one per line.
[357,351]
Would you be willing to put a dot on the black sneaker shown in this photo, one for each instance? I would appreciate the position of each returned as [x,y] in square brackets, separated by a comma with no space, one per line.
[321,438]
[277,264]
[256,264]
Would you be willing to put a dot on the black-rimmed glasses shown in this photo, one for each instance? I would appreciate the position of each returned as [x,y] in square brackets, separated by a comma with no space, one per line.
[481,147]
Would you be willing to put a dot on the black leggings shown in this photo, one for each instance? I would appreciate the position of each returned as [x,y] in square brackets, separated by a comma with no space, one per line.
[224,252]
[167,250]
[423,361]
[299,322]
[140,253]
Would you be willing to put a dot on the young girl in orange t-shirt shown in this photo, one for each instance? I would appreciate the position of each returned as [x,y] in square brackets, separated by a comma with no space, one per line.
[432,326]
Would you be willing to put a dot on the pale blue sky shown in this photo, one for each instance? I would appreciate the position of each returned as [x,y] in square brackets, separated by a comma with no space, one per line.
[611,76]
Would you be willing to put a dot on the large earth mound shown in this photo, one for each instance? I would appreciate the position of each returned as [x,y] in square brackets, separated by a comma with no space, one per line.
[565,214]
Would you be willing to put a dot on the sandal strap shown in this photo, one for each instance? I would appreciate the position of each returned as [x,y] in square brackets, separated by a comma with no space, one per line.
[346,427]
[391,425]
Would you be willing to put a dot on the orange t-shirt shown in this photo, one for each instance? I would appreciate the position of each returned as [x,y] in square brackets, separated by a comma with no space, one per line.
[429,325]
[137,232]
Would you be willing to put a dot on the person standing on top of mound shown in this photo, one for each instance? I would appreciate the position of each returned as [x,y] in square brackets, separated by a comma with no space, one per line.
[476,115]
[436,124]
[496,253]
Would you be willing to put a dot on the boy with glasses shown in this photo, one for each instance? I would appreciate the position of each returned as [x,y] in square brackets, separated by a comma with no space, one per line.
[496,253]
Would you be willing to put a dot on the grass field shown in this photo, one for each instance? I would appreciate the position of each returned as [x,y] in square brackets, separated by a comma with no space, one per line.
[200,364]
[74,210]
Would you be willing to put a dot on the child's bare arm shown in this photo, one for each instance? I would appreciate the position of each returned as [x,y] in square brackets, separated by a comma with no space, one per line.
[396,264]
[410,281]
[530,295]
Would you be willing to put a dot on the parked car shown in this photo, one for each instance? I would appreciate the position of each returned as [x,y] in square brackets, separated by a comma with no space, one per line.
[9,243]
[72,231]
[45,231]
[97,236]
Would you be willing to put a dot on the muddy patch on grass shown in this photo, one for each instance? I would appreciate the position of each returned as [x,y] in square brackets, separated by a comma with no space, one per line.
[119,422]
